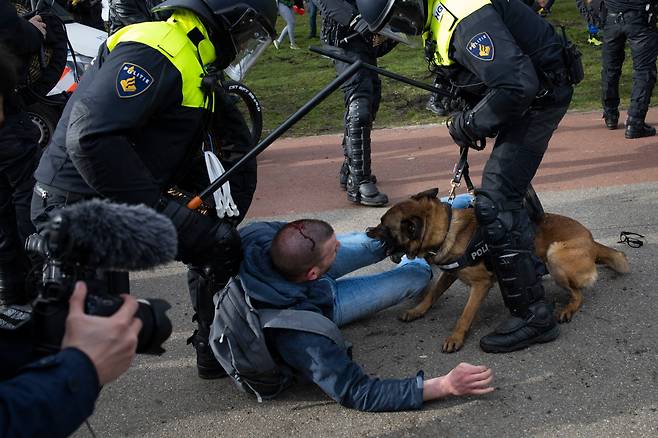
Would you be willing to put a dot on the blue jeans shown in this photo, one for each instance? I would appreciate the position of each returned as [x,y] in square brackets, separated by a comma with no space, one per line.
[360,296]
[465,200]
[312,17]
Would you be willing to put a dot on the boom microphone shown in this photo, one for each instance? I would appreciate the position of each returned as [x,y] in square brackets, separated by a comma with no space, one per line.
[90,241]
[112,236]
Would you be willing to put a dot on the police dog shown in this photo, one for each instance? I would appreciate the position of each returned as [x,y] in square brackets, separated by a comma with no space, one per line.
[423,227]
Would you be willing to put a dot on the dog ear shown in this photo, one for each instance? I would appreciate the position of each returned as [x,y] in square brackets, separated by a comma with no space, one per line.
[431,193]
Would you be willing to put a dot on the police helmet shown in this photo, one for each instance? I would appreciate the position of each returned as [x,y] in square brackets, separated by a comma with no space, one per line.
[239,29]
[402,16]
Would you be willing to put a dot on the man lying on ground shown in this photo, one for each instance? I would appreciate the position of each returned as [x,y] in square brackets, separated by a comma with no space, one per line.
[300,265]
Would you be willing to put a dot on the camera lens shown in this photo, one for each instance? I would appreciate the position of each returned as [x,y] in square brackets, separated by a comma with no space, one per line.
[156,326]
[36,244]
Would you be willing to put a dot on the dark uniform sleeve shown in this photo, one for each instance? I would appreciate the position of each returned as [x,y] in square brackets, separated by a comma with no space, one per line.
[51,397]
[340,11]
[320,360]
[18,33]
[125,12]
[104,116]
[506,71]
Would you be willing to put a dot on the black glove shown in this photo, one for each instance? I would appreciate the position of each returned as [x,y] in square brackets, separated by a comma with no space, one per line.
[360,26]
[203,240]
[460,130]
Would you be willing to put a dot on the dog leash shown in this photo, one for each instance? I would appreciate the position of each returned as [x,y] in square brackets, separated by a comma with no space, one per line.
[460,171]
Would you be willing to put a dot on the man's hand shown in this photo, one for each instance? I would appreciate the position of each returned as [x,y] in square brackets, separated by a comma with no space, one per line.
[462,133]
[37,22]
[464,379]
[109,342]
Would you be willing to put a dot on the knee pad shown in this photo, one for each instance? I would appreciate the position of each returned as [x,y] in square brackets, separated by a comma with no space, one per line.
[495,223]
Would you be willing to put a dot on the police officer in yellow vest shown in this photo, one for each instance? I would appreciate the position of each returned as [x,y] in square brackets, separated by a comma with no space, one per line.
[135,125]
[520,88]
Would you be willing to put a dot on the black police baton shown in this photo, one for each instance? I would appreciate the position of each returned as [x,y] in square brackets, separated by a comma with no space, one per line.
[195,202]
[340,55]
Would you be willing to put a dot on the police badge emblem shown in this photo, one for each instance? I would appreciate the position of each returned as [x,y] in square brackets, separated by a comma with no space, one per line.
[132,80]
[481,46]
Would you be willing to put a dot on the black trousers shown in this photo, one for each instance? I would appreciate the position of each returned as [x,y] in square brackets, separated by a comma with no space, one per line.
[520,147]
[19,156]
[642,38]
[365,83]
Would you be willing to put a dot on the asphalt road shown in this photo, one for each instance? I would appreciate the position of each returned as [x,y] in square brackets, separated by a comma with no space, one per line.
[600,378]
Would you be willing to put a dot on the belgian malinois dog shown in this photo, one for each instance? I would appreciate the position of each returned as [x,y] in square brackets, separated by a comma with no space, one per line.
[423,226]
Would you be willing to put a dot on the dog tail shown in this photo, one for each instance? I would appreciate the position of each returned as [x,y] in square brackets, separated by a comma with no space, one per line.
[612,258]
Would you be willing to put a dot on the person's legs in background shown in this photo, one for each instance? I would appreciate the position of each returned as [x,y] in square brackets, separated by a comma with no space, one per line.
[312,19]
[361,96]
[643,41]
[288,15]
[612,58]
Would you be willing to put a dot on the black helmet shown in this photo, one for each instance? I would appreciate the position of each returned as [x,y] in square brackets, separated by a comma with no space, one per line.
[236,27]
[403,16]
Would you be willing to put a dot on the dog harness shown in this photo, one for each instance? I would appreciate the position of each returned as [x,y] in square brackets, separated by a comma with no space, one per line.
[475,251]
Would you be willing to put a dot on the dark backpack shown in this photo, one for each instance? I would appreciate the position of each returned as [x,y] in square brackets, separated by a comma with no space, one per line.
[238,341]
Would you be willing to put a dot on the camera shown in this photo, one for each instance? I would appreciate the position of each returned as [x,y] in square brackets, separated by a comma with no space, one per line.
[64,262]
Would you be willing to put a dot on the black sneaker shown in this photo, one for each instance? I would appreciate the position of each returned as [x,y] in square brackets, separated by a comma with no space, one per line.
[517,333]
[611,119]
[206,363]
[638,129]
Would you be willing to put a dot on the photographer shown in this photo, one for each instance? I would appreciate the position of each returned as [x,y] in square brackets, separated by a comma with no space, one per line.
[53,396]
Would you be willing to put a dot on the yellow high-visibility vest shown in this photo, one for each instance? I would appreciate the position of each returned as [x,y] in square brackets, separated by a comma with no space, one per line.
[442,19]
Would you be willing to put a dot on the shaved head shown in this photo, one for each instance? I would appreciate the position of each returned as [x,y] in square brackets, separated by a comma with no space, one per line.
[299,246]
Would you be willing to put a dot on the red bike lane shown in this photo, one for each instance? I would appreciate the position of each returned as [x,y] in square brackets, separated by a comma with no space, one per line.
[299,175]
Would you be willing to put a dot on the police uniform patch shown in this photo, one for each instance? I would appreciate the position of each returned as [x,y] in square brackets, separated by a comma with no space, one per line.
[481,46]
[132,80]
[438,12]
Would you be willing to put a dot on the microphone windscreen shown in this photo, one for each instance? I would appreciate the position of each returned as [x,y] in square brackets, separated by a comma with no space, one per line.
[120,236]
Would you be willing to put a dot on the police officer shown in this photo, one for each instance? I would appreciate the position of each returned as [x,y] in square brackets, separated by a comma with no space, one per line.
[635,21]
[18,149]
[135,125]
[342,27]
[517,58]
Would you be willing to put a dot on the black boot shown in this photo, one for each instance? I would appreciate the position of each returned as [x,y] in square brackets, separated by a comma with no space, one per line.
[345,173]
[206,363]
[636,128]
[611,118]
[509,237]
[536,326]
[361,186]
[435,105]
[365,193]
[202,288]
